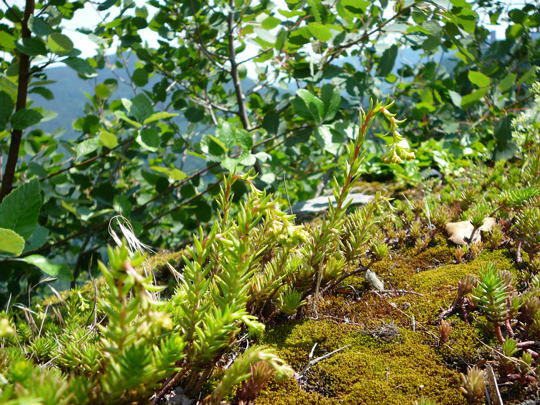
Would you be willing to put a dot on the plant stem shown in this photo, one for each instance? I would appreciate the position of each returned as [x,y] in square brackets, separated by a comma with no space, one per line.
[498,333]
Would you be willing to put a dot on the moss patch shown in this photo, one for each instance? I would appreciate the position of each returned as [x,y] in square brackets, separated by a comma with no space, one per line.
[371,370]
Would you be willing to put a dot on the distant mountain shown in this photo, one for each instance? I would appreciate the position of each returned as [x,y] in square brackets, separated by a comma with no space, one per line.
[69,98]
[69,89]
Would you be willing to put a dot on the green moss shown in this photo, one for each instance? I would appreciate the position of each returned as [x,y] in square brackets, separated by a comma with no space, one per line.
[439,285]
[289,392]
[370,370]
[451,274]
[367,372]
[463,344]
[294,341]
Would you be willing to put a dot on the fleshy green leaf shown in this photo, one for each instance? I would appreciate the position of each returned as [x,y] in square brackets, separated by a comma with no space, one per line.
[505,148]
[9,87]
[60,271]
[106,5]
[507,83]
[11,242]
[122,115]
[43,92]
[473,97]
[19,211]
[39,26]
[271,122]
[326,139]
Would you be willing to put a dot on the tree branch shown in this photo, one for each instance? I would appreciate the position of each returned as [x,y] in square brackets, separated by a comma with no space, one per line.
[22,93]
[242,113]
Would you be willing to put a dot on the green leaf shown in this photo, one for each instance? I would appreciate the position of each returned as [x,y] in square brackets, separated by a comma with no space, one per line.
[107,4]
[37,239]
[43,92]
[159,116]
[103,91]
[60,271]
[149,139]
[81,66]
[25,118]
[60,44]
[174,173]
[108,139]
[507,83]
[308,106]
[505,148]
[356,7]
[331,99]
[122,115]
[122,205]
[320,31]
[270,22]
[478,78]
[386,63]
[473,97]
[194,114]
[291,14]
[9,87]
[455,97]
[39,26]
[19,211]
[11,242]
[327,140]
[87,146]
[31,47]
[7,41]
[6,108]
[213,146]
[271,122]
[140,77]
[141,107]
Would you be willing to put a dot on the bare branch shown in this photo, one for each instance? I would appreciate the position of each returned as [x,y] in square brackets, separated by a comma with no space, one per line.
[242,113]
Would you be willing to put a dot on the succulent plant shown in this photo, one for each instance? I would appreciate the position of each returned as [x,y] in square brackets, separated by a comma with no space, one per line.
[491,297]
[473,385]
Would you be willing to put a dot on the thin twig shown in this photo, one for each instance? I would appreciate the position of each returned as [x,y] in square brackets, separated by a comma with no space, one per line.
[311,363]
[242,113]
